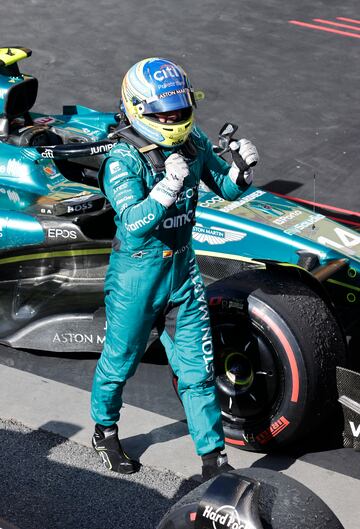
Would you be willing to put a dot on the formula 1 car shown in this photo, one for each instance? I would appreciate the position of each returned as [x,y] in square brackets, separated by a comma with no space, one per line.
[283,281]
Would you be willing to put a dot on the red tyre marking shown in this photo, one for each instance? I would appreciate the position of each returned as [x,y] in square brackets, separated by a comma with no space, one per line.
[234,441]
[322,28]
[192,516]
[274,430]
[288,349]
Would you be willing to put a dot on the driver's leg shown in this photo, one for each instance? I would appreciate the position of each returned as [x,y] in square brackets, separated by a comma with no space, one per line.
[131,310]
[187,340]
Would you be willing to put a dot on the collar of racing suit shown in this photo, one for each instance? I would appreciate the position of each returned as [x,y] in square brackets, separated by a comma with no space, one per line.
[152,153]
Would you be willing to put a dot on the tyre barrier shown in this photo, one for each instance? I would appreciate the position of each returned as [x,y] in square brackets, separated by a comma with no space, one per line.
[250,498]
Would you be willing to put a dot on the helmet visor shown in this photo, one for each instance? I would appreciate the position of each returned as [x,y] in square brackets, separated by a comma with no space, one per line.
[172,100]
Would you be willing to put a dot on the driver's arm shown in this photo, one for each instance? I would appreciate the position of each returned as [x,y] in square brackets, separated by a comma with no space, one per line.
[124,187]
[216,172]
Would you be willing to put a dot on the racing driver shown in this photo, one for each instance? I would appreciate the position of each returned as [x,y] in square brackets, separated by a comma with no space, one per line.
[153,278]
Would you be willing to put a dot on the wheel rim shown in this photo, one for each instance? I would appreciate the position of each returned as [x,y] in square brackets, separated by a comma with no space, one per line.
[248,372]
[238,370]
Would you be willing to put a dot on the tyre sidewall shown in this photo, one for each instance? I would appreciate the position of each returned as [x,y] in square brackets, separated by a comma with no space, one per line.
[306,342]
[290,408]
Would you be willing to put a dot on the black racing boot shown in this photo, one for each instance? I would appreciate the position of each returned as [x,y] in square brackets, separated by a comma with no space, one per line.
[214,463]
[106,443]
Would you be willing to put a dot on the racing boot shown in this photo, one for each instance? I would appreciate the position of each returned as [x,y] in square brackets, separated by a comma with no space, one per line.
[106,443]
[214,463]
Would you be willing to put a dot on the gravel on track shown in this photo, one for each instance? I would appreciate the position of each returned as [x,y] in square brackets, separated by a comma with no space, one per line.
[44,475]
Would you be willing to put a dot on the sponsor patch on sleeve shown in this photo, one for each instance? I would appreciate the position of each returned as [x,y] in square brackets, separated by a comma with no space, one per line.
[114,167]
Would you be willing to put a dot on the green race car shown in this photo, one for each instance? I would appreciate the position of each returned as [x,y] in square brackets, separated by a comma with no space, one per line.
[283,280]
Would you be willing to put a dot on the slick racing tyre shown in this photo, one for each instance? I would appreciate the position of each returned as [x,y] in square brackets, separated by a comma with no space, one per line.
[276,347]
[279,502]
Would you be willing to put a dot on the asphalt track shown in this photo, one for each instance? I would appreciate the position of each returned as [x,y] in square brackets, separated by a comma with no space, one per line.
[293,90]
[60,484]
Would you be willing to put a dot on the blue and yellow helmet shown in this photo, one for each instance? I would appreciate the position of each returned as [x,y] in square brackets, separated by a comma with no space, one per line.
[154,86]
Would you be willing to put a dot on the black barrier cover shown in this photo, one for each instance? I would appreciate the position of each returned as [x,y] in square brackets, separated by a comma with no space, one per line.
[348,383]
[230,502]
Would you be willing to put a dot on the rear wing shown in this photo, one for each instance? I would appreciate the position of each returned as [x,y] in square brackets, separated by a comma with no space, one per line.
[10,56]
[17,91]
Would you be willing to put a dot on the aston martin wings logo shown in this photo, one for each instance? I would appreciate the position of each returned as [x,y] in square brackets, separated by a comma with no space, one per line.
[215,235]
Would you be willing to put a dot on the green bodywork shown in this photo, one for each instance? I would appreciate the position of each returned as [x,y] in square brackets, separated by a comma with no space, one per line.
[259,228]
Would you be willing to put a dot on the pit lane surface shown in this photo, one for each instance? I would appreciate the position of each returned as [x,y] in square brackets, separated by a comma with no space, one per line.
[293,89]
[160,439]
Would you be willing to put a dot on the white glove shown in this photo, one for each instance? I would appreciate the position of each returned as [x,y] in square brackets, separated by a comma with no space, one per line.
[176,170]
[238,178]
[249,154]
[247,151]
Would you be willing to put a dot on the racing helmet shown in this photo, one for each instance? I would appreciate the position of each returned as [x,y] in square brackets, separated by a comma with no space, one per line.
[153,86]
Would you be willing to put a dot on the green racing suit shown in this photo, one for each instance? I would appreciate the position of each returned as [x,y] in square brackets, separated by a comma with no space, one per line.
[153,280]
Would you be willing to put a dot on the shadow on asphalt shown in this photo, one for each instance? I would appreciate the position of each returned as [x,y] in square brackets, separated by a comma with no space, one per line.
[49,482]
[342,461]
[327,453]
[138,444]
[323,448]
[281,186]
